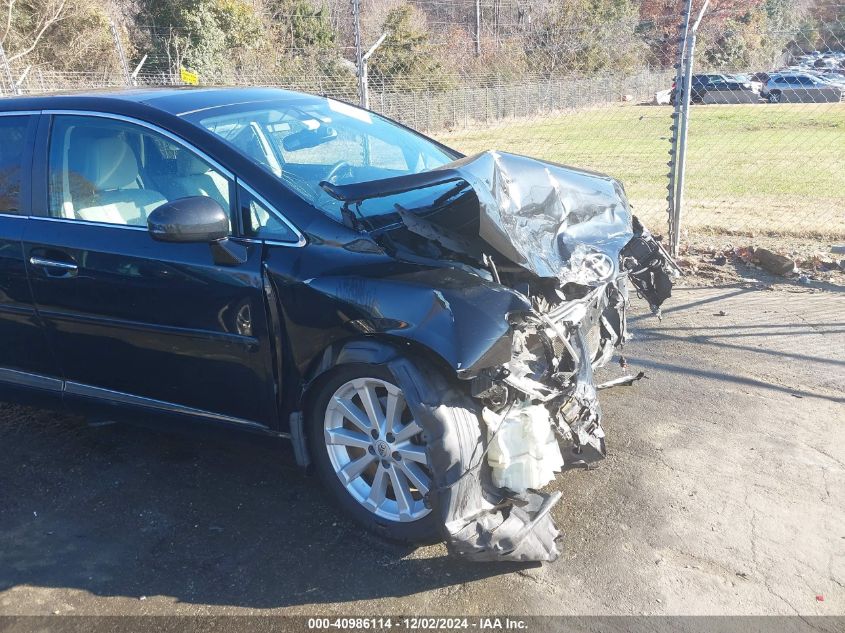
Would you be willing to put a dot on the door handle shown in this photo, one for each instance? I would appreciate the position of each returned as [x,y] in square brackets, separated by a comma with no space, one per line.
[52,263]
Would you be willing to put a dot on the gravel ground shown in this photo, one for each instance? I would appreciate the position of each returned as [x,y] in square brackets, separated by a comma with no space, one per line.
[723,493]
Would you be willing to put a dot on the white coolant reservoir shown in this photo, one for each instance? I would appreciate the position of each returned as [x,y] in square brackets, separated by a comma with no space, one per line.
[523,453]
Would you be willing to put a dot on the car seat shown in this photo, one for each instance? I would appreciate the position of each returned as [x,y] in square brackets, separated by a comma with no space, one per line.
[118,197]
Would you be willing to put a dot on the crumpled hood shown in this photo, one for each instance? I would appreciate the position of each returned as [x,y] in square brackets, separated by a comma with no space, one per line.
[555,221]
[552,220]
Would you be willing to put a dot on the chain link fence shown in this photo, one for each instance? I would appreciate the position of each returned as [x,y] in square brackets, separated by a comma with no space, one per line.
[765,154]
[766,143]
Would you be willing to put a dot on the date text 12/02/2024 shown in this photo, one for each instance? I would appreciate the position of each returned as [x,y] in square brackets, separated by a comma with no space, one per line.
[418,623]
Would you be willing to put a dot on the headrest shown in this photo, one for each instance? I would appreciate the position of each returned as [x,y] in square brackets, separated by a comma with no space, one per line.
[112,164]
[187,164]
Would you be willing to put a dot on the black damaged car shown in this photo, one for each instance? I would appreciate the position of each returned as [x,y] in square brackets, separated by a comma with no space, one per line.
[422,326]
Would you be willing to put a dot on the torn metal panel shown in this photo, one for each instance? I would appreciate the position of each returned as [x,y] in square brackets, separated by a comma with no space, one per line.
[458,314]
[580,410]
[555,221]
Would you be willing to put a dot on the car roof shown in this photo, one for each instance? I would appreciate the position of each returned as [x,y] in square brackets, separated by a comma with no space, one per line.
[792,75]
[178,101]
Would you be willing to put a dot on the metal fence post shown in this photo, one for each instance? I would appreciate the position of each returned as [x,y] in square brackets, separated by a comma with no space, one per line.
[118,45]
[677,120]
[683,129]
[365,70]
[359,54]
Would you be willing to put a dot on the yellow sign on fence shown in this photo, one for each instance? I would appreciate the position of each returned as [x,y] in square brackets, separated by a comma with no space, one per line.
[189,77]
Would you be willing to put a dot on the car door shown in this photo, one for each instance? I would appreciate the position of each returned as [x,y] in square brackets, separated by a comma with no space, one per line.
[26,362]
[791,89]
[817,91]
[134,321]
[716,88]
[698,88]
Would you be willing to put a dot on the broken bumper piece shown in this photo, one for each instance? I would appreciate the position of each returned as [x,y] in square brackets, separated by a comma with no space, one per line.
[492,510]
[514,533]
[480,522]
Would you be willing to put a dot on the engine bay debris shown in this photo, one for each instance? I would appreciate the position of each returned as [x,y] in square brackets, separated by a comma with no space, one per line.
[566,240]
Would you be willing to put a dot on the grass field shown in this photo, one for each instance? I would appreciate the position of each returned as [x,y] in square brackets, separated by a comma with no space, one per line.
[755,169]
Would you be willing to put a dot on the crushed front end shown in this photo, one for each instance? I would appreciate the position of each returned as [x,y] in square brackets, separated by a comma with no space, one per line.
[565,241]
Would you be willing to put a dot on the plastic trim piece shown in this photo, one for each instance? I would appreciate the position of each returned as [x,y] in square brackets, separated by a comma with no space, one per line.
[297,437]
[87,391]
[301,241]
[28,379]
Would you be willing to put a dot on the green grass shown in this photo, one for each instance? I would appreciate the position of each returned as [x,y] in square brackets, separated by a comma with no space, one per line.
[768,169]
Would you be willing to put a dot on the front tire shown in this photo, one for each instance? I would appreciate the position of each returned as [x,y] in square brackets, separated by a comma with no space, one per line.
[370,453]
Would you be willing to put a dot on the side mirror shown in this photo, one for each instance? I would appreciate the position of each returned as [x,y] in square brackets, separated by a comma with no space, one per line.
[193,219]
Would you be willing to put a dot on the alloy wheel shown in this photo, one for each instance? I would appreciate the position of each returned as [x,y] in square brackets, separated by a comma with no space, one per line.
[376,449]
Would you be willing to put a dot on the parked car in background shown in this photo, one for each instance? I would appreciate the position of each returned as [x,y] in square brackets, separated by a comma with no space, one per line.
[799,88]
[760,77]
[747,82]
[717,88]
[834,77]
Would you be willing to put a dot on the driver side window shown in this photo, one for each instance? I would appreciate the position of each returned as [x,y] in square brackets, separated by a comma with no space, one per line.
[113,172]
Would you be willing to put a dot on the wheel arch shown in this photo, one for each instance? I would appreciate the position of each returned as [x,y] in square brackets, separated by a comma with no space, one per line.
[370,350]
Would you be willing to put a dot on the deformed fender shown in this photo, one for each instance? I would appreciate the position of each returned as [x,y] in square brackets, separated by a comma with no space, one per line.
[364,351]
[477,522]
[460,317]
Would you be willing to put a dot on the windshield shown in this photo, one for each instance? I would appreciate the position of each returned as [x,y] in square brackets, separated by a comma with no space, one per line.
[305,141]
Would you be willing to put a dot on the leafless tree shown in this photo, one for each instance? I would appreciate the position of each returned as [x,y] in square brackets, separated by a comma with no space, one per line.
[47,15]
[176,46]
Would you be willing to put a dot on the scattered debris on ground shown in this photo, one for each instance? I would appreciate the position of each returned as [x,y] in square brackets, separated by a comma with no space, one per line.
[709,260]
[773,262]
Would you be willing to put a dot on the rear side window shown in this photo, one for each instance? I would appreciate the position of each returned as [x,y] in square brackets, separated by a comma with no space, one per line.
[13,145]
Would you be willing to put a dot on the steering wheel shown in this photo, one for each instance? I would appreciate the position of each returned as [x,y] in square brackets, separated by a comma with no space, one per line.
[336,169]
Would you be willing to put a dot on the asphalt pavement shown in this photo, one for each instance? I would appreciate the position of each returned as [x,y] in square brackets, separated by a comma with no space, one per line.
[723,493]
